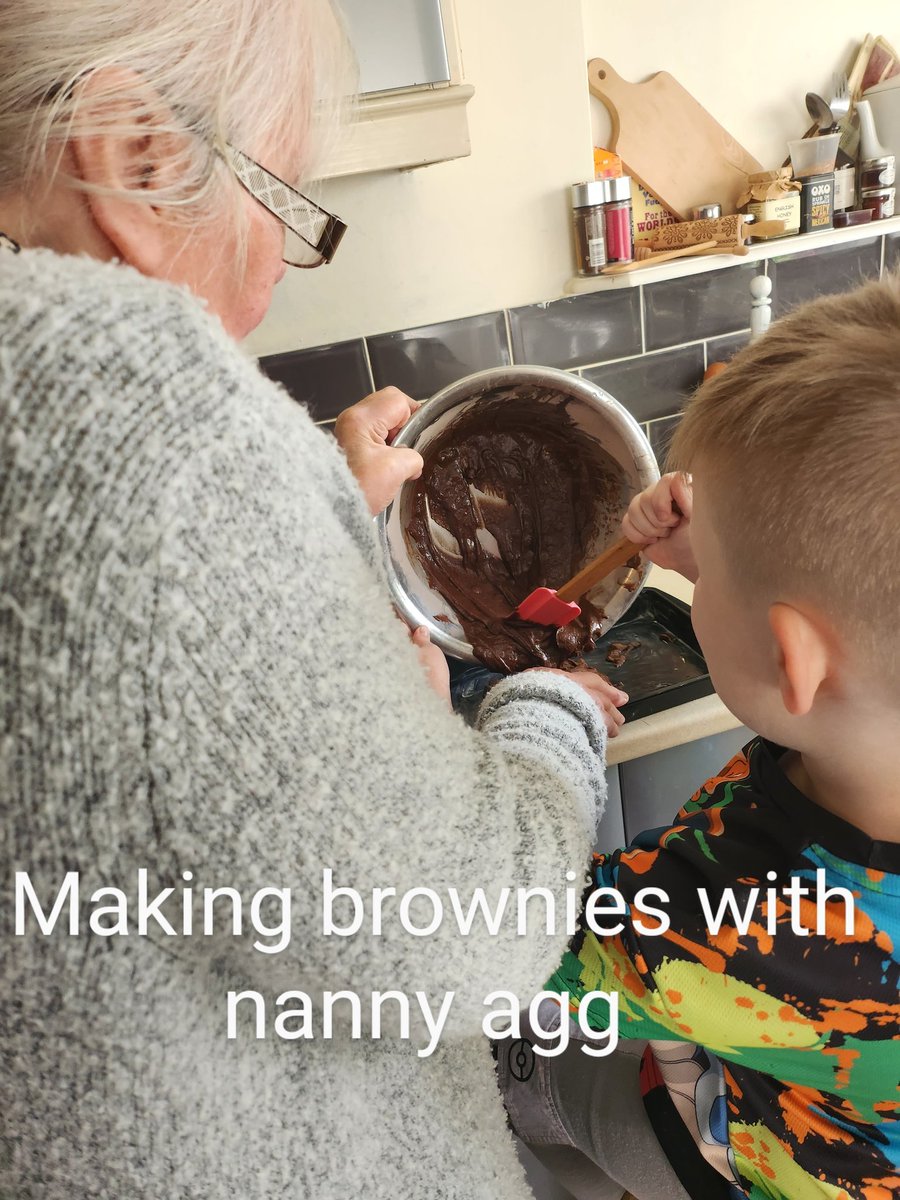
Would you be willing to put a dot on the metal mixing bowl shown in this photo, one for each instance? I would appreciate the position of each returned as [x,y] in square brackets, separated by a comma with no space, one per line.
[595,411]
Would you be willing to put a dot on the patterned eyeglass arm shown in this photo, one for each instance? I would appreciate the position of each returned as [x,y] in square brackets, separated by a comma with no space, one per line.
[331,236]
[317,227]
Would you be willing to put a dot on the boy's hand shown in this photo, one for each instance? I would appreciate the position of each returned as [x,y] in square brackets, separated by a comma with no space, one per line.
[660,517]
[608,698]
[433,662]
[365,432]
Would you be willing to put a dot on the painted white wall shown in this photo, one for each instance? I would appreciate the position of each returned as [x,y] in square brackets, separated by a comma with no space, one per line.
[750,66]
[472,235]
[492,230]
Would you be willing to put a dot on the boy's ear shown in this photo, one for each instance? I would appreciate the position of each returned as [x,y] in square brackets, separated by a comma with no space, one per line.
[804,656]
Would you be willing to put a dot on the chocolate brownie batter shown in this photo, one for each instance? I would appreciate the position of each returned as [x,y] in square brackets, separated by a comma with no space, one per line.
[514,496]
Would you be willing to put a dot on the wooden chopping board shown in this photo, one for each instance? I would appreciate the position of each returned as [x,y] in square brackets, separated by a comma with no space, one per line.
[669,143]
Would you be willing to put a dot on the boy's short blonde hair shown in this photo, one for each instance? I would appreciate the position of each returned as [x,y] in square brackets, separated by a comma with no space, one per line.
[800,441]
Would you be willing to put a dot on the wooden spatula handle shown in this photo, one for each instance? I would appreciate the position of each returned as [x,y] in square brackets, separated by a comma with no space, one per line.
[616,556]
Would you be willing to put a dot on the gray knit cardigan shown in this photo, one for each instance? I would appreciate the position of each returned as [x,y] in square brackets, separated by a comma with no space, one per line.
[203,678]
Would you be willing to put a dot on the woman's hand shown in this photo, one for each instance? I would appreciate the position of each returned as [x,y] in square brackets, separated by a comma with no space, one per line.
[433,662]
[660,518]
[365,432]
[608,698]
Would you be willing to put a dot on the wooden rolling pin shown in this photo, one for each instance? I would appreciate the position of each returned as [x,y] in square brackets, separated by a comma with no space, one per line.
[729,232]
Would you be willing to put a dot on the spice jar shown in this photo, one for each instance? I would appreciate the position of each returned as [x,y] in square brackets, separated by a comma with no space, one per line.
[880,201]
[588,222]
[617,211]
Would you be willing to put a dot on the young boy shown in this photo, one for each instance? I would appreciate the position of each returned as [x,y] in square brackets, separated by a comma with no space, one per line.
[772,1064]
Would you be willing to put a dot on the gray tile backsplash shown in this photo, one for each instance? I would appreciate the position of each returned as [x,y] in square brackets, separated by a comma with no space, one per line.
[812,273]
[653,385]
[660,434]
[647,345]
[698,306]
[578,330]
[326,379]
[723,349]
[422,361]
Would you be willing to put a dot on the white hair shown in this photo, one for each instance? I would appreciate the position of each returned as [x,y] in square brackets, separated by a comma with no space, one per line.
[264,75]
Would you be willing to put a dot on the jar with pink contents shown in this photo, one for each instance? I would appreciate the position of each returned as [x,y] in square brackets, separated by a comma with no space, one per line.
[617,218]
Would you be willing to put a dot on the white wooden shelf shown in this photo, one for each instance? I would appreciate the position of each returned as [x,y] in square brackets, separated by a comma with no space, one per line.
[678,268]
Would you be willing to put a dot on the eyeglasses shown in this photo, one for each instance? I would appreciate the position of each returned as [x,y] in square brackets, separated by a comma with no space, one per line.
[312,235]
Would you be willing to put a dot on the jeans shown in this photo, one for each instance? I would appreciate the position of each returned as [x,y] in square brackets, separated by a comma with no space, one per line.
[584,1118]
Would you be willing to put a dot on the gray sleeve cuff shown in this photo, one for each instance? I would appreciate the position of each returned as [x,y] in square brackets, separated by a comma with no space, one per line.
[552,689]
[549,722]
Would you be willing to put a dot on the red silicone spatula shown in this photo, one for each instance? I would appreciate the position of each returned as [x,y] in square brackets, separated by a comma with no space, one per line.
[546,606]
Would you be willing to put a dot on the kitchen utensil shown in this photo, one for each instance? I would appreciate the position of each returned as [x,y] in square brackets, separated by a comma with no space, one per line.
[592,409]
[840,98]
[689,233]
[644,257]
[643,252]
[546,606]
[820,112]
[727,232]
[753,229]
[669,142]
[815,155]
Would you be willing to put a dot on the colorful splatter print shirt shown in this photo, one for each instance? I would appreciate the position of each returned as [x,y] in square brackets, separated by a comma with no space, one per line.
[780,1052]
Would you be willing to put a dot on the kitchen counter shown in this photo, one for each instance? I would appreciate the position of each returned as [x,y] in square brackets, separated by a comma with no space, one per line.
[676,726]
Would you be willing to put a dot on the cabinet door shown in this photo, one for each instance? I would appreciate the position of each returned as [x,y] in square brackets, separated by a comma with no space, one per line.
[656,786]
[399,43]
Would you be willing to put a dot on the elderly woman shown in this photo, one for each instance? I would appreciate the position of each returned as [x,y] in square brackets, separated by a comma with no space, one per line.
[205,686]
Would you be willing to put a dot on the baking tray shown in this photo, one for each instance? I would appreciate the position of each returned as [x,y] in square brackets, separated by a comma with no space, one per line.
[667,668]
